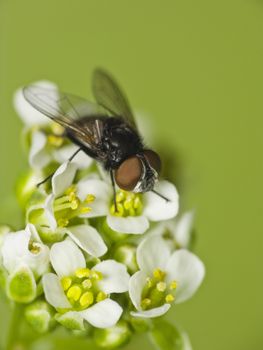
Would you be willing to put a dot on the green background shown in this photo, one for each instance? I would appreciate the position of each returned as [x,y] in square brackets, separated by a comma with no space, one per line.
[196,68]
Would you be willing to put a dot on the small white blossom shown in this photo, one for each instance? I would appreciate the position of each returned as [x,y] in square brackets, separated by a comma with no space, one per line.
[135,211]
[178,231]
[82,293]
[163,278]
[25,248]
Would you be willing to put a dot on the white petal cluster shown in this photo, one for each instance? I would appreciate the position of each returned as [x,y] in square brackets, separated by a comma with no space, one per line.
[75,250]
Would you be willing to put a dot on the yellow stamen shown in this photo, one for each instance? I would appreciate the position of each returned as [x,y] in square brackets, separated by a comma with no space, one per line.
[149,282]
[87,284]
[101,296]
[90,198]
[85,210]
[82,272]
[161,286]
[74,204]
[55,140]
[145,303]
[62,222]
[159,274]
[97,275]
[173,285]
[169,298]
[74,292]
[86,299]
[66,282]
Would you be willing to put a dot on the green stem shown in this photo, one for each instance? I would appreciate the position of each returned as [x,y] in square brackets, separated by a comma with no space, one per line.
[13,329]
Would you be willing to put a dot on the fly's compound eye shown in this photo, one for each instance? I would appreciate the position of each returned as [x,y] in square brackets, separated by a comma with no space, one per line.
[153,159]
[129,173]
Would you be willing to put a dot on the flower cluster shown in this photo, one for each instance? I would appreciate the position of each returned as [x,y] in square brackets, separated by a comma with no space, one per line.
[80,263]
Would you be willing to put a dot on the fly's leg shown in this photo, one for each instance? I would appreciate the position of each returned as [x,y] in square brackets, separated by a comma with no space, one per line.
[51,175]
[114,190]
[160,195]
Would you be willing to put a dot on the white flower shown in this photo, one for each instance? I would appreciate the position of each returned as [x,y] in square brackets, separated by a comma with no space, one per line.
[178,231]
[46,146]
[25,248]
[25,258]
[62,205]
[29,115]
[135,211]
[82,293]
[163,278]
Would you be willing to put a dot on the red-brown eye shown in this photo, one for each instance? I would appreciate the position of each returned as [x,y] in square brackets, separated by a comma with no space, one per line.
[129,173]
[153,159]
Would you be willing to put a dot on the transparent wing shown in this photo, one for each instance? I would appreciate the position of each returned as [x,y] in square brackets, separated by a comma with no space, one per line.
[109,95]
[64,109]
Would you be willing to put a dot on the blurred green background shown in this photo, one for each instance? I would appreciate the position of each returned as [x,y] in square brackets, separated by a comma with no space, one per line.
[194,67]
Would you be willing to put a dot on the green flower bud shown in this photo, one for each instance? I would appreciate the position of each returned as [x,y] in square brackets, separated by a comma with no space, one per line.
[141,325]
[26,186]
[126,254]
[113,337]
[40,316]
[71,320]
[21,285]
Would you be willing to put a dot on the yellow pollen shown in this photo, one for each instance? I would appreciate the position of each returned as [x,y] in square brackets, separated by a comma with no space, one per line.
[149,282]
[90,198]
[87,284]
[97,275]
[169,298]
[136,203]
[86,299]
[119,208]
[66,283]
[158,274]
[74,204]
[85,210]
[82,272]
[173,285]
[145,303]
[101,296]
[57,129]
[72,196]
[127,204]
[74,292]
[62,222]
[120,196]
[55,140]
[71,189]
[161,286]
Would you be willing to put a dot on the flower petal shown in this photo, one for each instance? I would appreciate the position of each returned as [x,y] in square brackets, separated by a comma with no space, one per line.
[129,224]
[104,314]
[63,178]
[155,312]
[48,209]
[54,293]
[29,115]
[115,277]
[88,238]
[136,285]
[152,253]
[14,249]
[157,208]
[81,160]
[66,258]
[187,270]
[183,228]
[102,192]
[38,155]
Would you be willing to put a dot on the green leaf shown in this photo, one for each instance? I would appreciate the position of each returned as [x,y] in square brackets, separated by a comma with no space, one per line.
[166,336]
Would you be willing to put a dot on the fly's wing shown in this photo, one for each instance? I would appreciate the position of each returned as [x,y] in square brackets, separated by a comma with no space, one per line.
[67,110]
[110,96]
